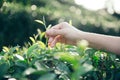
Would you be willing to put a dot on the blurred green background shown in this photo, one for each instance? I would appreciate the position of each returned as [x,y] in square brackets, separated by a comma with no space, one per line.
[17,19]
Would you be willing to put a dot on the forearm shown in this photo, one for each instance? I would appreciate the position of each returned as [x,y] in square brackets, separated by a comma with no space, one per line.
[99,41]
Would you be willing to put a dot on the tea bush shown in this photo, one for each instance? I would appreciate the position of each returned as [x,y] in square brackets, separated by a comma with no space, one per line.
[38,61]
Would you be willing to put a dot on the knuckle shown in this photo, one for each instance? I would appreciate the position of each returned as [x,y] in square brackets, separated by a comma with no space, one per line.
[63,23]
[53,31]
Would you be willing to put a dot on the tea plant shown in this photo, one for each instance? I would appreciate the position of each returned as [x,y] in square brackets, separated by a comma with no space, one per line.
[37,61]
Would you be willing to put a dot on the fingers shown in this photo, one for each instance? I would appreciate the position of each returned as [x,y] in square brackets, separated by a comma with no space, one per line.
[56,39]
[53,32]
[50,39]
[56,30]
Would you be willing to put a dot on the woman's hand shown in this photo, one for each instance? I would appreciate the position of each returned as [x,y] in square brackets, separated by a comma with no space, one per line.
[63,33]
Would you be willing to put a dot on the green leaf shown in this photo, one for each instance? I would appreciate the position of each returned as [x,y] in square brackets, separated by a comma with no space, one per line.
[39,31]
[48,76]
[44,22]
[13,49]
[19,57]
[34,72]
[32,39]
[49,26]
[41,44]
[63,68]
[31,49]
[68,57]
[34,75]
[90,51]
[39,66]
[3,69]
[5,49]
[21,63]
[81,70]
[70,22]
[42,35]
[29,71]
[39,21]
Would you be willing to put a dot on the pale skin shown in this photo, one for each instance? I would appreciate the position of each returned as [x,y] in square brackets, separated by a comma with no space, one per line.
[67,34]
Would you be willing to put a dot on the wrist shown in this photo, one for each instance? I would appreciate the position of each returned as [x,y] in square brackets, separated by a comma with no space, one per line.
[81,35]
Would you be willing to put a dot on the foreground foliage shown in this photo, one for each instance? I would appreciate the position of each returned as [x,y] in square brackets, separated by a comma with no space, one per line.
[37,61]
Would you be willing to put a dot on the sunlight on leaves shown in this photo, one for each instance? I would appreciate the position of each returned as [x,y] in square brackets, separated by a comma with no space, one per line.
[5,49]
[41,44]
[32,39]
[39,21]
[19,57]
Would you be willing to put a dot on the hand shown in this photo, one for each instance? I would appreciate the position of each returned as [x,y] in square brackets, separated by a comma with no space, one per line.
[63,33]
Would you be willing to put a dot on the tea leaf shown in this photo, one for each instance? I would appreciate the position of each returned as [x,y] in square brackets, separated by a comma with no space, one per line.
[19,57]
[44,22]
[49,26]
[5,49]
[41,44]
[70,22]
[39,21]
[31,49]
[42,35]
[3,69]
[48,76]
[32,39]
